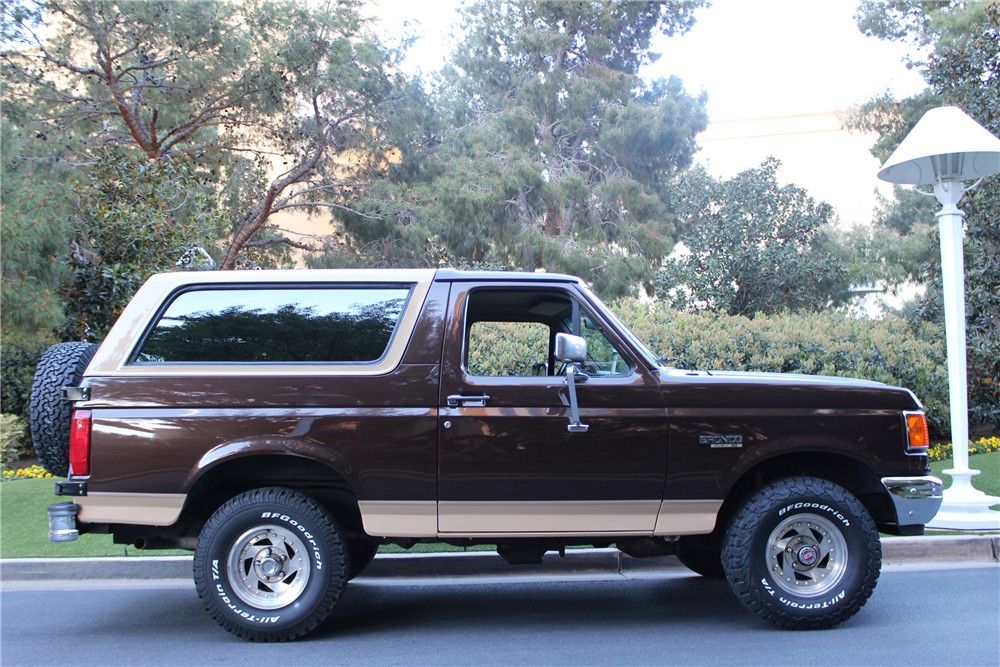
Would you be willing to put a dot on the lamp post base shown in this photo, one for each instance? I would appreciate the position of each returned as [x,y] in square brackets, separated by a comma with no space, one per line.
[965,507]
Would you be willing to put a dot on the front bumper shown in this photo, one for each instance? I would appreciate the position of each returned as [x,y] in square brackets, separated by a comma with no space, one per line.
[916,499]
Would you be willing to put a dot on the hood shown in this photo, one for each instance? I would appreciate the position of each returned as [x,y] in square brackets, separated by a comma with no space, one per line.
[743,389]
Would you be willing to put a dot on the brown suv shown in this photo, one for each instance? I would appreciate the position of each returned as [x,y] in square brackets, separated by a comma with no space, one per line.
[284,424]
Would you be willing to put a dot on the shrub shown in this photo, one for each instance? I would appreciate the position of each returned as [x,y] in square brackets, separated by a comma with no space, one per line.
[943,452]
[12,430]
[16,374]
[31,472]
[890,350]
[507,349]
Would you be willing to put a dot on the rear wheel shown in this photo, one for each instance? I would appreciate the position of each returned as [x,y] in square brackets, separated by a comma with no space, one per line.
[60,366]
[802,553]
[270,565]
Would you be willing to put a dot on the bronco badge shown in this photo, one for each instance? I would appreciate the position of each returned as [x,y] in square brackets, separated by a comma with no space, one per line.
[721,441]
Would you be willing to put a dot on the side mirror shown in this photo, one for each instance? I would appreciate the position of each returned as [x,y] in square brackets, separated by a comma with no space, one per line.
[570,349]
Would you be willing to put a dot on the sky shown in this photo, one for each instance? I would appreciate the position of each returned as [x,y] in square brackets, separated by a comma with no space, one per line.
[778,74]
[760,58]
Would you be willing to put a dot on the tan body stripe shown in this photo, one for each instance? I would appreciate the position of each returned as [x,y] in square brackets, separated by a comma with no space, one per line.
[143,509]
[536,519]
[420,519]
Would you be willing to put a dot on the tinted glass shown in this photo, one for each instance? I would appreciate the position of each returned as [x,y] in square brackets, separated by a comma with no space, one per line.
[331,324]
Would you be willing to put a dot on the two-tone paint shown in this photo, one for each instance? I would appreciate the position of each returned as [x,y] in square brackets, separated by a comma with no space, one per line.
[666,452]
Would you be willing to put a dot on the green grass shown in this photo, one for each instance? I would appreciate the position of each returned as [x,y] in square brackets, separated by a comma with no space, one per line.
[24,522]
[24,526]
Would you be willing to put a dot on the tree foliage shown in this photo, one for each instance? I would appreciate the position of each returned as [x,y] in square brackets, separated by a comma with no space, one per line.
[923,24]
[277,118]
[135,217]
[34,223]
[554,154]
[754,246]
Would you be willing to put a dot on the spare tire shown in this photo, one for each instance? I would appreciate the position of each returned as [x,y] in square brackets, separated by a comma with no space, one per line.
[60,366]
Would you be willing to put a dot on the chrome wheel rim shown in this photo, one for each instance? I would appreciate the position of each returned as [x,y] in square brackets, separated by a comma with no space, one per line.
[807,555]
[268,567]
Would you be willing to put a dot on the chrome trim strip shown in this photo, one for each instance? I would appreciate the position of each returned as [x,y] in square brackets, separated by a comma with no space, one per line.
[143,509]
[916,499]
[399,518]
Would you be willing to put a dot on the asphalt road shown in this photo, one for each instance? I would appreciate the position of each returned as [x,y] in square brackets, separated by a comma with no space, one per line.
[926,616]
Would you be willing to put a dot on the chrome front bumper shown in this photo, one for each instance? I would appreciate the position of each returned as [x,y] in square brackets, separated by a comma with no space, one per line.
[917,499]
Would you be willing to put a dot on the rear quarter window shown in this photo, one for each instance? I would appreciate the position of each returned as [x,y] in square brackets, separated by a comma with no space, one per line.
[327,324]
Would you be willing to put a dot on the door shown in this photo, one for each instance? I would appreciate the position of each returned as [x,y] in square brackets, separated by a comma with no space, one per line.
[508,465]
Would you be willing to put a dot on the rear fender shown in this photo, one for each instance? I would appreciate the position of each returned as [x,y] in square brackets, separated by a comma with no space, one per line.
[270,446]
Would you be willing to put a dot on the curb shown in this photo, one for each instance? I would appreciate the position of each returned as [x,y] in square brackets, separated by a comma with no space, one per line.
[941,548]
[895,551]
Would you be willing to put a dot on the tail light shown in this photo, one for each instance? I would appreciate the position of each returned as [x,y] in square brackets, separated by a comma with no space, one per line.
[917,433]
[79,443]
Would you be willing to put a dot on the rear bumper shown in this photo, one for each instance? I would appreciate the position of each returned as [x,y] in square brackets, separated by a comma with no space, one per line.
[916,499]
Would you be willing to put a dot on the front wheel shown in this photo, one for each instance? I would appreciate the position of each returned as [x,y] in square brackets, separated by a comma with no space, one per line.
[270,565]
[802,553]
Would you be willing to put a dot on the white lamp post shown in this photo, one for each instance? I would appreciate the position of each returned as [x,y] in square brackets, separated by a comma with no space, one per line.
[945,148]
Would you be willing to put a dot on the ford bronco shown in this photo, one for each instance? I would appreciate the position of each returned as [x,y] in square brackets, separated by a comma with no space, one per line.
[285,424]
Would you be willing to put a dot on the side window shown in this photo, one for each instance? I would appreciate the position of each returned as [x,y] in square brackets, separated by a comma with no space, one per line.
[510,334]
[346,324]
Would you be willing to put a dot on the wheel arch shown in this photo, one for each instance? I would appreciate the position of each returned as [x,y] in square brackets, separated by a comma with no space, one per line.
[850,473]
[230,477]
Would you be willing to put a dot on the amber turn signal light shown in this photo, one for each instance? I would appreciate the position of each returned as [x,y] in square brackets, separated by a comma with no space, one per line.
[917,432]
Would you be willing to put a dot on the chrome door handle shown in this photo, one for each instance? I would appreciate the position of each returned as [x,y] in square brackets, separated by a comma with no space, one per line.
[457,400]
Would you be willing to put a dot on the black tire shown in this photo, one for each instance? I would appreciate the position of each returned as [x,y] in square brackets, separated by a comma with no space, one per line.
[60,366]
[701,559]
[361,553]
[270,565]
[802,553]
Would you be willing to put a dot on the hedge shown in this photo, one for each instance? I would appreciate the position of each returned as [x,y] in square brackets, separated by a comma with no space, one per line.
[17,369]
[890,350]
